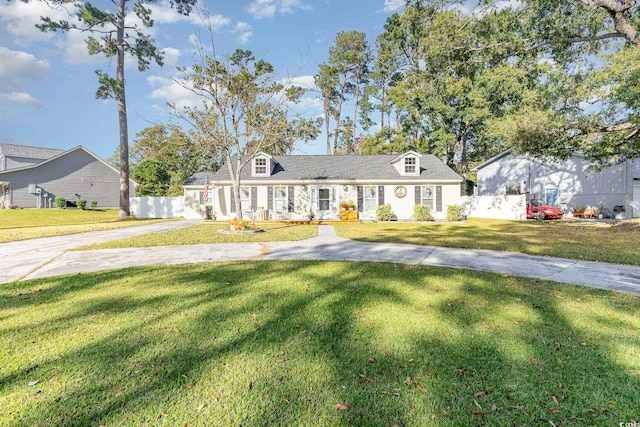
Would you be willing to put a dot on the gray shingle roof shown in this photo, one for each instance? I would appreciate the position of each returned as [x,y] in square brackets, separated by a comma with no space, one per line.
[14,150]
[370,168]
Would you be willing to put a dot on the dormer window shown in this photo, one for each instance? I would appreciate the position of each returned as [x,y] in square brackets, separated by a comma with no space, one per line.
[260,166]
[410,165]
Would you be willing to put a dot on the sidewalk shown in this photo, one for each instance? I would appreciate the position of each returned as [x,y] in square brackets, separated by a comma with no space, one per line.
[49,257]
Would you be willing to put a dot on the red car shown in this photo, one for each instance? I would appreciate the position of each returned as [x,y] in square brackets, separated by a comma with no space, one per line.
[536,210]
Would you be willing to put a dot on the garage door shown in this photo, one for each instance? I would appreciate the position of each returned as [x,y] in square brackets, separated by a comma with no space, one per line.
[635,203]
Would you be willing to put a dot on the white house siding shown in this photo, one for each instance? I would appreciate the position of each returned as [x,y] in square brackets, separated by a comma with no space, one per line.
[575,184]
[402,208]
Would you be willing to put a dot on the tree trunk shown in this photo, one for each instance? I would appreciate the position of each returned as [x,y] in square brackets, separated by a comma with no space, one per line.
[326,123]
[338,114]
[124,211]
[235,179]
[356,99]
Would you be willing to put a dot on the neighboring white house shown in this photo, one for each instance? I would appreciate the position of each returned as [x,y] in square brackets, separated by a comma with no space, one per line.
[565,184]
[290,187]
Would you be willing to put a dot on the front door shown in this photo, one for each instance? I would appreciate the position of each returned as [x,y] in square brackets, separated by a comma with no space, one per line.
[324,202]
[635,203]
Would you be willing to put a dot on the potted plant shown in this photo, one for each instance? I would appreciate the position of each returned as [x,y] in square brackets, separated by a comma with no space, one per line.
[347,210]
[208,212]
[236,225]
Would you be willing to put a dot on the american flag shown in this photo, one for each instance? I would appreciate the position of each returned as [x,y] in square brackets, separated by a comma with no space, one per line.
[205,196]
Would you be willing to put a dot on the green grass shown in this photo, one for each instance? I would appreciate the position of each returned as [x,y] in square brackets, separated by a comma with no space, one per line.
[23,224]
[210,233]
[614,243]
[283,343]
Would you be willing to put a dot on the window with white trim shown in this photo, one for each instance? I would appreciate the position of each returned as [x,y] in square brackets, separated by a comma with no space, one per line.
[427,196]
[370,198]
[410,165]
[260,166]
[281,202]
[245,199]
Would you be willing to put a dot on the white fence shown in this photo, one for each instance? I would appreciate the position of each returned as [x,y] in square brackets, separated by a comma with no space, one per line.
[157,207]
[496,207]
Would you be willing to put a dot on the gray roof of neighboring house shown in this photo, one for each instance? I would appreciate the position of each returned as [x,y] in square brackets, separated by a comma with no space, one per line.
[341,168]
[26,151]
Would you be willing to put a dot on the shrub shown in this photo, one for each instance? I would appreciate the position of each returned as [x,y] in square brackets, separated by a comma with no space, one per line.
[81,203]
[454,213]
[422,213]
[94,204]
[383,212]
[61,202]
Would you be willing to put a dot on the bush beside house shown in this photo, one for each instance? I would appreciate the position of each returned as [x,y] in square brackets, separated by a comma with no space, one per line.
[422,213]
[383,212]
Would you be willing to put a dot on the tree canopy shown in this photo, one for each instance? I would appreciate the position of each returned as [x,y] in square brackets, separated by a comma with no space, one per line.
[243,110]
[467,80]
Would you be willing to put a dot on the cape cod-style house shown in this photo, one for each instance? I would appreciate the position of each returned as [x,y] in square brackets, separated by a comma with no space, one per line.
[293,186]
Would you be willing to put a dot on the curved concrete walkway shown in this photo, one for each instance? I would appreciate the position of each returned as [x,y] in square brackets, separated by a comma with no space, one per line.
[50,257]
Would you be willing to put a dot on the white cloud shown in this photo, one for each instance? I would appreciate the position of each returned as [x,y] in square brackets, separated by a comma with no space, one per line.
[19,19]
[262,8]
[163,13]
[169,90]
[75,50]
[212,22]
[268,8]
[308,104]
[20,65]
[287,6]
[306,82]
[21,98]
[171,55]
[393,5]
[244,31]
[16,66]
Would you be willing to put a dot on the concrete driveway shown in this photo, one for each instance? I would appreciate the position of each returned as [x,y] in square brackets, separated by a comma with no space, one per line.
[50,257]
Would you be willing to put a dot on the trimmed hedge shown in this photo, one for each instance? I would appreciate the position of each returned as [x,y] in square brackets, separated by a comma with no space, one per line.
[61,202]
[383,212]
[454,213]
[422,213]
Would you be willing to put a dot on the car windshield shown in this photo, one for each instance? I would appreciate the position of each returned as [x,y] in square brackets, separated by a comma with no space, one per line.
[536,203]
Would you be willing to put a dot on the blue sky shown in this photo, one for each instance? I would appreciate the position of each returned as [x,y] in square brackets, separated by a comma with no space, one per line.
[48,84]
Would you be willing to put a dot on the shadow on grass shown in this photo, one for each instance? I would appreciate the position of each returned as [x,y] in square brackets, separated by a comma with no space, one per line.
[612,243]
[276,343]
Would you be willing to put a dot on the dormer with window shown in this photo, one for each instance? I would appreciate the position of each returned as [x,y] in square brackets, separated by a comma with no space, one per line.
[261,165]
[408,164]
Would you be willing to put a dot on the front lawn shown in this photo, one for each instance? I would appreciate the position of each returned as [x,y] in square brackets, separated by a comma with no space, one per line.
[614,243]
[209,232]
[314,343]
[23,224]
